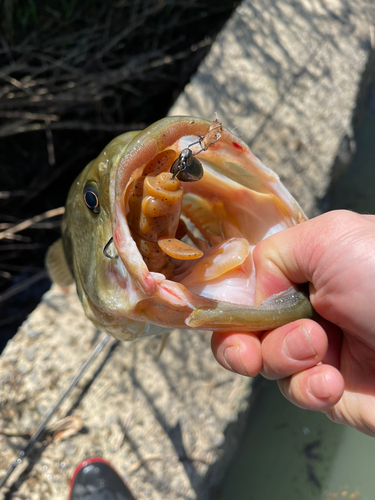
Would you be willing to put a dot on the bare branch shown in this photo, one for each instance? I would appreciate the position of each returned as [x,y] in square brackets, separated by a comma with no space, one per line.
[30,222]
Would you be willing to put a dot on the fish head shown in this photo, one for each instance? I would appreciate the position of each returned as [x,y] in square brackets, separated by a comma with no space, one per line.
[178,209]
[86,227]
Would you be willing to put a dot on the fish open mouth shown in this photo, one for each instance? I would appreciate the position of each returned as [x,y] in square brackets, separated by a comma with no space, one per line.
[191,203]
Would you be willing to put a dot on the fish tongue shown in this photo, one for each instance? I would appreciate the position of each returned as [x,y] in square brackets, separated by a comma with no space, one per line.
[219,260]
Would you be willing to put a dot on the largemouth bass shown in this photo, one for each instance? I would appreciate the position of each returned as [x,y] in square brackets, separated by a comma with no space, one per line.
[159,231]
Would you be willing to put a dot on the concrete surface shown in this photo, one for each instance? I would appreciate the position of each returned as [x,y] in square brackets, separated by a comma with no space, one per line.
[286,75]
[166,426]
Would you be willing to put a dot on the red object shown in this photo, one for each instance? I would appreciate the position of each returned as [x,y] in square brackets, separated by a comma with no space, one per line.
[237,146]
[97,474]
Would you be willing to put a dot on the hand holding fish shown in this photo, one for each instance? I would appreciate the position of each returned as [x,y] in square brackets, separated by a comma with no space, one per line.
[326,365]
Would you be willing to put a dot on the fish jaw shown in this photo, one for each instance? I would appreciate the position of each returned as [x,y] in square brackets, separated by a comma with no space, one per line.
[276,311]
[232,172]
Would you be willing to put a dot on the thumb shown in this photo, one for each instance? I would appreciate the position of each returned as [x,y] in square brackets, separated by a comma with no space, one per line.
[292,256]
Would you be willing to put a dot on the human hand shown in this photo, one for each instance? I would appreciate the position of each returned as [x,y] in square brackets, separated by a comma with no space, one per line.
[327,364]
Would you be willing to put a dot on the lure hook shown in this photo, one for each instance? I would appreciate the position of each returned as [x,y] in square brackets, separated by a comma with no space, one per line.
[189,169]
[105,249]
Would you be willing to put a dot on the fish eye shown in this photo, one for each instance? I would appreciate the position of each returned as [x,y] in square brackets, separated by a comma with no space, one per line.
[91,199]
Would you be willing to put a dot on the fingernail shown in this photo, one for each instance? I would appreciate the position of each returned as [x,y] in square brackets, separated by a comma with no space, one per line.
[297,344]
[233,360]
[317,385]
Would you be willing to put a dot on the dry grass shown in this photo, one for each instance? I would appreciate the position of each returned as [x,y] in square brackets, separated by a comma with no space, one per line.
[95,60]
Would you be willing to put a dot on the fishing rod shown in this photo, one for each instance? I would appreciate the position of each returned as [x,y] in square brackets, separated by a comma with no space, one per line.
[51,412]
